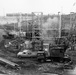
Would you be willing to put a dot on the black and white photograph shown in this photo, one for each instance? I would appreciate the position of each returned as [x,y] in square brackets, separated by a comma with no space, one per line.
[37,37]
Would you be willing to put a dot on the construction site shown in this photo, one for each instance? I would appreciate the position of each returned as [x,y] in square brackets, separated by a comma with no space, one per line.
[37,44]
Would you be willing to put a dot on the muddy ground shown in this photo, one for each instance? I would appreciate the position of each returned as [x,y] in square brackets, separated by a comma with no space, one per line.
[32,66]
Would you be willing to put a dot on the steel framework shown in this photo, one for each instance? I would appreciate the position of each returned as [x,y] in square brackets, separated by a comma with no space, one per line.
[36,25]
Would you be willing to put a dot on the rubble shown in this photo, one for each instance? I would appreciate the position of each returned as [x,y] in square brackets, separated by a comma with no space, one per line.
[49,68]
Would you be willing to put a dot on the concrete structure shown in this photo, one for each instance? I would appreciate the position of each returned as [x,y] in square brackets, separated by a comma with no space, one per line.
[65,22]
[69,22]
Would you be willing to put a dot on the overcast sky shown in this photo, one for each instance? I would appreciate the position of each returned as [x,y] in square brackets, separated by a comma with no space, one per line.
[45,6]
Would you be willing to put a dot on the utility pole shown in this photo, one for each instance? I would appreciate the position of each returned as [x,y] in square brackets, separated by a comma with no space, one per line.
[27,22]
[59,14]
[19,23]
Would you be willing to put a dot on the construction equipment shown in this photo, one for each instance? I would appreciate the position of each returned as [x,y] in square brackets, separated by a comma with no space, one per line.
[53,52]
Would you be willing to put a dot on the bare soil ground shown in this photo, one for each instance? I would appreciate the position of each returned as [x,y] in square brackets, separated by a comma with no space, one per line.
[31,66]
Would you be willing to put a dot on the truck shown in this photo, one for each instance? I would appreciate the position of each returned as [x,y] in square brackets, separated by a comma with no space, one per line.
[53,53]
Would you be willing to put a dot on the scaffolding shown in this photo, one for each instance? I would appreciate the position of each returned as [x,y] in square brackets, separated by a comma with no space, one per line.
[36,25]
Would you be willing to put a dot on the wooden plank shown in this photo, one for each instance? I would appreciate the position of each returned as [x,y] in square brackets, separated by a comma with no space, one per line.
[12,64]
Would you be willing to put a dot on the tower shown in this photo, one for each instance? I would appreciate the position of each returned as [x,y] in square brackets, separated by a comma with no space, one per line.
[36,30]
[36,25]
